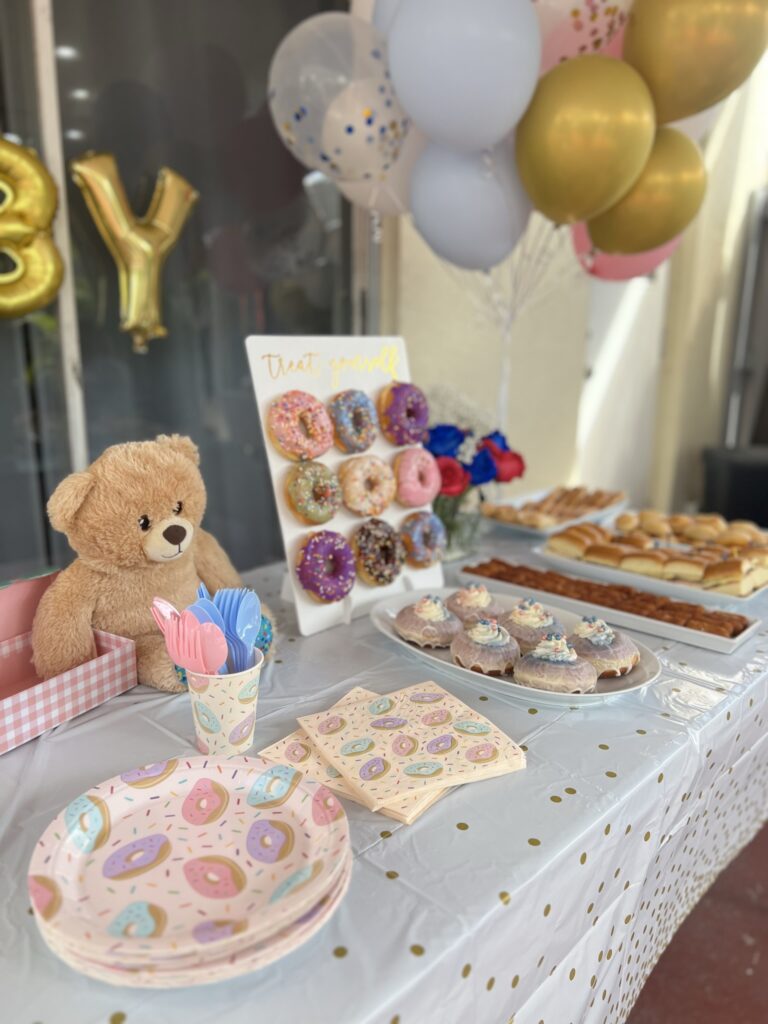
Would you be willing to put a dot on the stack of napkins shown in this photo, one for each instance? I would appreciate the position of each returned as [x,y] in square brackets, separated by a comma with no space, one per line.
[400,752]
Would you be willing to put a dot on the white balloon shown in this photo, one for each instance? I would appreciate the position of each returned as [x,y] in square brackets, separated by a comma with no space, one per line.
[331,98]
[390,194]
[465,71]
[470,208]
[384,13]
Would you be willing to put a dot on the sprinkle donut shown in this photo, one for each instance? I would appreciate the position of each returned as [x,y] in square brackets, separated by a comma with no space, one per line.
[88,824]
[403,745]
[139,920]
[471,728]
[331,724]
[354,420]
[215,931]
[269,841]
[299,426]
[367,485]
[403,413]
[45,896]
[296,881]
[243,731]
[206,719]
[424,769]
[273,787]
[426,698]
[424,537]
[374,769]
[215,878]
[136,857]
[380,706]
[440,716]
[249,691]
[325,807]
[313,493]
[379,553]
[482,753]
[205,802]
[297,752]
[326,566]
[356,747]
[417,476]
[389,722]
[150,774]
[441,744]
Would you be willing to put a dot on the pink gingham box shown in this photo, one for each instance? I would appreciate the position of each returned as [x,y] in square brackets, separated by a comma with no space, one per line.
[28,706]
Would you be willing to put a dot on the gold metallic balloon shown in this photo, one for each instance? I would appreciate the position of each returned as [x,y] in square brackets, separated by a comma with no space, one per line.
[585,138]
[693,53]
[139,245]
[28,200]
[661,203]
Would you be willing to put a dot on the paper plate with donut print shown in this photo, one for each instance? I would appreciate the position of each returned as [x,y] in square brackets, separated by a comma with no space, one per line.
[151,973]
[191,852]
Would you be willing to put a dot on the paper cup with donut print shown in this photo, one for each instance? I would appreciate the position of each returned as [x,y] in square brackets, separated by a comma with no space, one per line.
[224,709]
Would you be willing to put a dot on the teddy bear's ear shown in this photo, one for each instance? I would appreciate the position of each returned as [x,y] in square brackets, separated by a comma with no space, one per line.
[181,444]
[65,502]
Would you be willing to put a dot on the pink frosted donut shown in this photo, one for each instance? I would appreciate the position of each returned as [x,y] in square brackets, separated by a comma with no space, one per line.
[330,725]
[299,426]
[482,753]
[297,752]
[45,895]
[325,807]
[403,745]
[269,841]
[205,802]
[440,716]
[215,878]
[418,477]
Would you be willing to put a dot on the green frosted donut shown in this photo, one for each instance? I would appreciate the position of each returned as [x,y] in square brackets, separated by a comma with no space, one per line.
[313,492]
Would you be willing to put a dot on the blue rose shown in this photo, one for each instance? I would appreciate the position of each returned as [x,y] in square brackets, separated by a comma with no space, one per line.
[498,439]
[482,469]
[444,439]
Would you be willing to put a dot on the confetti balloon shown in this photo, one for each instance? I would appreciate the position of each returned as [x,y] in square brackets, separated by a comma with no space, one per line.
[389,194]
[332,100]
[572,28]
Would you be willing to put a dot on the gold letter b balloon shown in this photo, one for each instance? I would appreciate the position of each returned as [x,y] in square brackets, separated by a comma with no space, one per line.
[27,205]
[585,138]
[139,246]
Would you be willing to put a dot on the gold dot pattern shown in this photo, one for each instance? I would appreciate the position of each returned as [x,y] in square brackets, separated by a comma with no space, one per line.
[462,826]
[340,952]
[417,950]
[466,970]
[504,897]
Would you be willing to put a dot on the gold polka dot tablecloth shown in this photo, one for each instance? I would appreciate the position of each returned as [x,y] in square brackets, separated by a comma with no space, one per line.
[545,895]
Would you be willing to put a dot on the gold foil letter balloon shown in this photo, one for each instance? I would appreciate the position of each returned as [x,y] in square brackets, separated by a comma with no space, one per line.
[662,202]
[693,53]
[28,200]
[585,138]
[139,245]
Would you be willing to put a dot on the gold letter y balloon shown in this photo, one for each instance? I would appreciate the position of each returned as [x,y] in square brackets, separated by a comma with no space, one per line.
[28,201]
[139,245]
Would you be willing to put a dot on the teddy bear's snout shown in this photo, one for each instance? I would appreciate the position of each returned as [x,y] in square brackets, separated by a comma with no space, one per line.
[174,534]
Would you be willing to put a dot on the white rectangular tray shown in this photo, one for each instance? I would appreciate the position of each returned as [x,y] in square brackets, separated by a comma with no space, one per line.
[639,623]
[598,516]
[668,588]
[646,672]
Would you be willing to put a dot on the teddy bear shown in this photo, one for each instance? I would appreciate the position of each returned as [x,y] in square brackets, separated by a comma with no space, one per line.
[133,518]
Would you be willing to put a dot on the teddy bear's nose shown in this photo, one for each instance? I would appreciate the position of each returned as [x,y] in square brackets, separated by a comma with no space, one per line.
[174,534]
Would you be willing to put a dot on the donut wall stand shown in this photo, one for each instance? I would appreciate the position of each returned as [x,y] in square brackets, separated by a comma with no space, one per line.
[324,366]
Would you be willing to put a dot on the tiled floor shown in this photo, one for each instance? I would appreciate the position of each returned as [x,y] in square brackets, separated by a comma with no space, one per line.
[714,970]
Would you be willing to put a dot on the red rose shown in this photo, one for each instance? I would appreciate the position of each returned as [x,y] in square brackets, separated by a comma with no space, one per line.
[509,465]
[455,477]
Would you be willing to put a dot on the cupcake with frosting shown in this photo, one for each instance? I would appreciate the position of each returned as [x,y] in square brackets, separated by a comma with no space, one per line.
[427,623]
[612,653]
[485,646]
[474,602]
[529,622]
[554,665]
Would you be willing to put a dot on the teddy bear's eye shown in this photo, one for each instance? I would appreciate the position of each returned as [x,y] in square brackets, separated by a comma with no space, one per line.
[178,508]
[144,523]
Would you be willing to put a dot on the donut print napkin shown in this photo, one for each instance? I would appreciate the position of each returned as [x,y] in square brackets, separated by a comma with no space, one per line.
[298,749]
[412,741]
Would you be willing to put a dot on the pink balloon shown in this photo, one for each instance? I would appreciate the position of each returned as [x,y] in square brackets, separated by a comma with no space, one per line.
[612,267]
[572,28]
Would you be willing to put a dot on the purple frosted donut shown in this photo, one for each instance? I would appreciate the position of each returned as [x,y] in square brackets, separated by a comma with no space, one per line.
[243,730]
[374,769]
[389,722]
[136,857]
[150,774]
[403,413]
[214,931]
[354,420]
[424,537]
[326,566]
[441,744]
[269,841]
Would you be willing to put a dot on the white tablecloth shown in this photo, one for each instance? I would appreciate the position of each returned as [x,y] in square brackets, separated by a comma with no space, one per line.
[545,896]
